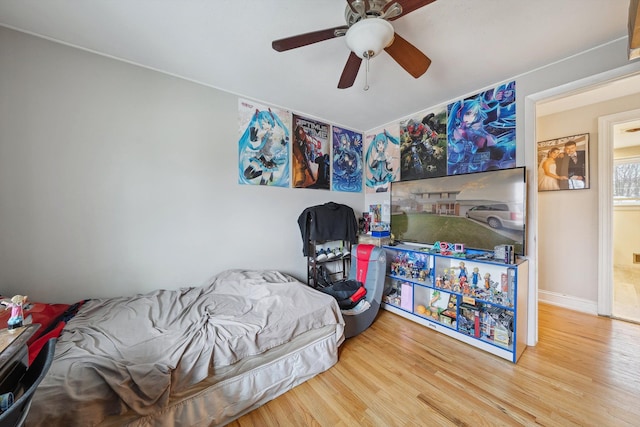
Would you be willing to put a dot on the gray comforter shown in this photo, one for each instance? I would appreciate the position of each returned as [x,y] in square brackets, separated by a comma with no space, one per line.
[133,352]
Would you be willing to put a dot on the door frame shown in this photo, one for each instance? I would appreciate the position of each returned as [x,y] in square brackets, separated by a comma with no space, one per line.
[530,123]
[605,206]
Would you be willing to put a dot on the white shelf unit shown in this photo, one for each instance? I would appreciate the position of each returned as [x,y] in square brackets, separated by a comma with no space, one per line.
[486,309]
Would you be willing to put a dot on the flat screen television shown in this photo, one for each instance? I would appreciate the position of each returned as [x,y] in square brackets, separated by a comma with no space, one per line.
[480,210]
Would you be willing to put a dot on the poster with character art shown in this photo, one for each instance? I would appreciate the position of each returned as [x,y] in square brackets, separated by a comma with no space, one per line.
[382,158]
[311,167]
[263,148]
[347,160]
[423,145]
[481,131]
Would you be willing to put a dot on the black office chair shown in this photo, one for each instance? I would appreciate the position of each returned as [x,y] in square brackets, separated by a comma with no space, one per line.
[17,413]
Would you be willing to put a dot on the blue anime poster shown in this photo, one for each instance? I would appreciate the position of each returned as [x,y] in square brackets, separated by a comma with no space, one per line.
[423,145]
[310,163]
[382,158]
[347,160]
[263,148]
[481,131]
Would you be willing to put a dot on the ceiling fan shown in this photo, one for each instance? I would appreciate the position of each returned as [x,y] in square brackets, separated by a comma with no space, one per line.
[367,32]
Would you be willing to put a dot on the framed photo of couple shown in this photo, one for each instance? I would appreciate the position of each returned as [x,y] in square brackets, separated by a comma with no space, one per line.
[563,163]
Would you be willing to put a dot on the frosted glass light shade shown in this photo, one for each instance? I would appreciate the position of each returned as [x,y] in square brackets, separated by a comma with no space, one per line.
[367,37]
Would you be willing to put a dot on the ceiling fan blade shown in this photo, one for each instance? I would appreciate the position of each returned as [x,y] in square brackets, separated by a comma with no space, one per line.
[409,6]
[408,56]
[350,71]
[308,38]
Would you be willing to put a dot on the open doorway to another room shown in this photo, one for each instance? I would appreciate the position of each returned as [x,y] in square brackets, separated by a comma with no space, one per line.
[609,103]
[625,207]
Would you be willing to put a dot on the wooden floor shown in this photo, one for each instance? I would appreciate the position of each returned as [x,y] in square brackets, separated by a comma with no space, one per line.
[626,293]
[585,371]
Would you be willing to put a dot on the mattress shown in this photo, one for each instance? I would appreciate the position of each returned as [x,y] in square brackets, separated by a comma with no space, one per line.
[238,389]
[202,354]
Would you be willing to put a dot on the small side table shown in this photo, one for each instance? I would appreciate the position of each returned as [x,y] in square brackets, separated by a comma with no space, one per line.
[14,355]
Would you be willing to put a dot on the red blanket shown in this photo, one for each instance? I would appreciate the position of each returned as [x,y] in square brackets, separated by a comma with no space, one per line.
[51,317]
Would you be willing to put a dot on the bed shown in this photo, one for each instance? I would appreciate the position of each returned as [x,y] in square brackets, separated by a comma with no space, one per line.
[195,356]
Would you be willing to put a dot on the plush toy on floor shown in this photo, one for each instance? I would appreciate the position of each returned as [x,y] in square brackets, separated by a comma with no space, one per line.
[17,314]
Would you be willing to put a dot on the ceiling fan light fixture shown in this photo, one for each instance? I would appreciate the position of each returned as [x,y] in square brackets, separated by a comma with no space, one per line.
[367,37]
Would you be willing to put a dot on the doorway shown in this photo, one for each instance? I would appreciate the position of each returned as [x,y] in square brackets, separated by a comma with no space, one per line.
[620,214]
[607,86]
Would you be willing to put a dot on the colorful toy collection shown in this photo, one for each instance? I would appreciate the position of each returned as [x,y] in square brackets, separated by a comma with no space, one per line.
[486,322]
[453,293]
[441,307]
[475,284]
[411,265]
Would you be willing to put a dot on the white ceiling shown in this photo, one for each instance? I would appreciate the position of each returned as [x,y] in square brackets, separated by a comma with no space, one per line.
[226,44]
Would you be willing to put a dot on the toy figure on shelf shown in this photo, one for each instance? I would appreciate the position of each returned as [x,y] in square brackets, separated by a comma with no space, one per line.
[17,314]
[438,281]
[423,275]
[487,281]
[456,287]
[464,285]
[475,277]
[504,284]
[463,270]
[435,296]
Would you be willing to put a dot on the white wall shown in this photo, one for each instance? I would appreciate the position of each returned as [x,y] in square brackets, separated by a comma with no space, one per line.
[116,180]
[568,220]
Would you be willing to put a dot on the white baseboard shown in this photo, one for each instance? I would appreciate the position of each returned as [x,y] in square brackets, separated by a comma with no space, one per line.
[568,301]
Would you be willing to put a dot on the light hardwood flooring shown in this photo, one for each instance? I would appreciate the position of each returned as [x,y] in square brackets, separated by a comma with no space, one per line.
[626,293]
[585,371]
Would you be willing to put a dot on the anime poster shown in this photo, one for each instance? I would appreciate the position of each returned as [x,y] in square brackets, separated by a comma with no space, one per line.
[382,158]
[311,167]
[264,144]
[347,160]
[481,131]
[423,145]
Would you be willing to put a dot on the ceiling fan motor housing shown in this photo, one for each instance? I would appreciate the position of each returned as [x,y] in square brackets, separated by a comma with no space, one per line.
[373,11]
[366,38]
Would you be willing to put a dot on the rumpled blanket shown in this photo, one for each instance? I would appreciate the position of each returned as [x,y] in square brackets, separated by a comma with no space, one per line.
[133,352]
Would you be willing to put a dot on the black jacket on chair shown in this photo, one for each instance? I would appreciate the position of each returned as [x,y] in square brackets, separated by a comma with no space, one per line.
[330,221]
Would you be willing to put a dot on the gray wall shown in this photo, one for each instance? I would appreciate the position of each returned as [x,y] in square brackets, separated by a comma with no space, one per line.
[116,180]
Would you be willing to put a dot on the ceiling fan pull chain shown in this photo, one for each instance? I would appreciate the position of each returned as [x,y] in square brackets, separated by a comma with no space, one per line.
[366,74]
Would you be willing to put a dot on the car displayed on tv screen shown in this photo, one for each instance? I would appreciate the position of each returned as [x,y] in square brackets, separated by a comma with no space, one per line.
[498,215]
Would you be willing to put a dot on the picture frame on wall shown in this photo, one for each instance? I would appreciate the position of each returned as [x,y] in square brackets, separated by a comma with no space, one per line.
[563,163]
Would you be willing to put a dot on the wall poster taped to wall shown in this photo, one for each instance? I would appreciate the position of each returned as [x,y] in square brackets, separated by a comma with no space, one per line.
[481,131]
[423,145]
[263,148]
[310,163]
[347,160]
[382,158]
